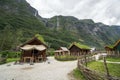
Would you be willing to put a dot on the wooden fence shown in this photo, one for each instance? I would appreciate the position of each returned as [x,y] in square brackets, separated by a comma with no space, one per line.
[92,74]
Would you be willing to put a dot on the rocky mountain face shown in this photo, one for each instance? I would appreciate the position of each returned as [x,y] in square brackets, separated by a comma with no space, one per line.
[86,30]
[19,22]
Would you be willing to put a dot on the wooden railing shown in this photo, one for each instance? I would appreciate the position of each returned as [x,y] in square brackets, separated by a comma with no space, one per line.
[92,74]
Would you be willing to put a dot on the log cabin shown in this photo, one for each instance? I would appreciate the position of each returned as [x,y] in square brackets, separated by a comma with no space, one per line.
[113,49]
[62,51]
[77,49]
[33,50]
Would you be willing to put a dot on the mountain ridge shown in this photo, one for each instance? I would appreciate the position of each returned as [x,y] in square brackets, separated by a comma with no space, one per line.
[21,21]
[87,27]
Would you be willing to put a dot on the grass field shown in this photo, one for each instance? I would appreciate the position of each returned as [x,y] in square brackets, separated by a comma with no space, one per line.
[78,75]
[114,69]
[12,60]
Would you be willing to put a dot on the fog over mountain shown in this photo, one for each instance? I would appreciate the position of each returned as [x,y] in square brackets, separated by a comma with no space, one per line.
[105,11]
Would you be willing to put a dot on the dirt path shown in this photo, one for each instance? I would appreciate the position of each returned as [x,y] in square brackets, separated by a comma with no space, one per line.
[40,71]
[110,62]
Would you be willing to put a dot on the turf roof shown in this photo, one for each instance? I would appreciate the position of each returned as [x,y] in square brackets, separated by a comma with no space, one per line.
[81,46]
[111,46]
[39,37]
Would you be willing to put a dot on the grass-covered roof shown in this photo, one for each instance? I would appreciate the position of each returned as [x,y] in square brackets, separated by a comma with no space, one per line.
[110,46]
[81,46]
[113,46]
[39,37]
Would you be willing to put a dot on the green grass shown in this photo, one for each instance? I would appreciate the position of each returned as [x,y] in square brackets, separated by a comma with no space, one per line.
[65,58]
[113,59]
[9,60]
[114,69]
[39,37]
[81,46]
[12,60]
[110,46]
[78,75]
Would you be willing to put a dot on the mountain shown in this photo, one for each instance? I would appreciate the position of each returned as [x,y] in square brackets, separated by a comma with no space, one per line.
[87,31]
[19,22]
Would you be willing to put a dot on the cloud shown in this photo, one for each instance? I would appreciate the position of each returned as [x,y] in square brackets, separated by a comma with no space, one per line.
[106,11]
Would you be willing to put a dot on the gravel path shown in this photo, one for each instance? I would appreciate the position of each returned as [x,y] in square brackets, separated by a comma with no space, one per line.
[39,71]
[110,62]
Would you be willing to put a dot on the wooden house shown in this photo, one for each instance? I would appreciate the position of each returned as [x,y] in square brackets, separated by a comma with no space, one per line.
[62,51]
[77,49]
[113,49]
[33,50]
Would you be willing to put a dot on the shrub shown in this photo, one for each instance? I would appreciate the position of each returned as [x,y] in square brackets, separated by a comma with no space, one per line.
[10,54]
[50,52]
[65,58]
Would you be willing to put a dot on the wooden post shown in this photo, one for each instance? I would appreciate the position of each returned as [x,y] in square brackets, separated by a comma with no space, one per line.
[33,56]
[106,68]
[24,59]
[21,56]
[85,60]
[118,53]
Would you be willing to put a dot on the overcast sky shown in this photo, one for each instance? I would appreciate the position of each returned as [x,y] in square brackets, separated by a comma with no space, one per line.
[106,11]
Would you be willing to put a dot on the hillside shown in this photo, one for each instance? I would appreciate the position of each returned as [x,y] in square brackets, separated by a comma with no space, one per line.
[19,22]
[86,30]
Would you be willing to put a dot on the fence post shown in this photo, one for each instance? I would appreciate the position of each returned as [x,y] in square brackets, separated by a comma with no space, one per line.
[85,60]
[78,63]
[106,68]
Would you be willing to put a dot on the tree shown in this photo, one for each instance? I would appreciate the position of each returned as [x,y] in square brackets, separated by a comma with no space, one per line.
[6,38]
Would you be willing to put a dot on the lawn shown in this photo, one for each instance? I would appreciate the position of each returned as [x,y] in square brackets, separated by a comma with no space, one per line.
[78,75]
[12,59]
[114,69]
[113,59]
